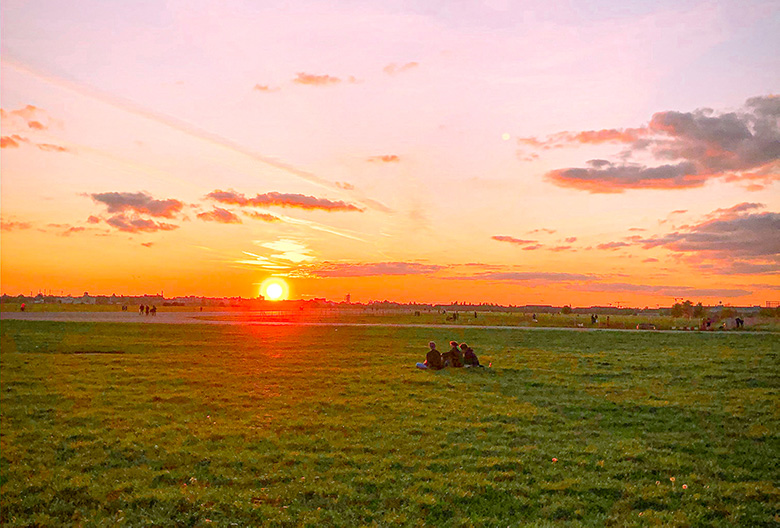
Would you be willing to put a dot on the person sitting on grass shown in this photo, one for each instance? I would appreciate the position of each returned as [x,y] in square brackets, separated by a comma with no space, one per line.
[432,359]
[469,357]
[453,357]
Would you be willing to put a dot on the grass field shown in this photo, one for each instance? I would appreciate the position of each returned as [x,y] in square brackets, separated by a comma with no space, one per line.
[195,425]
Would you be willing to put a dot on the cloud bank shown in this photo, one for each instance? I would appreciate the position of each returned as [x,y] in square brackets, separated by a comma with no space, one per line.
[692,148]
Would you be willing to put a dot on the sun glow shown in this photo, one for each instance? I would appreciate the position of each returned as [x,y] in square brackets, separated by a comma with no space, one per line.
[274,289]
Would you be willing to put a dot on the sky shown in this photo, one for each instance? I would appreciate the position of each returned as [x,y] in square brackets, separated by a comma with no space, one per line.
[550,152]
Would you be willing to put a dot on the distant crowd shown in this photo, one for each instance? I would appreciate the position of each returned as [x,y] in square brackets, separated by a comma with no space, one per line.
[459,355]
[145,309]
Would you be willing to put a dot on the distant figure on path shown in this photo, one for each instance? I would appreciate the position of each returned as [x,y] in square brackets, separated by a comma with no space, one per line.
[154,310]
[469,357]
[23,307]
[432,359]
[739,322]
[146,309]
[453,357]
[141,310]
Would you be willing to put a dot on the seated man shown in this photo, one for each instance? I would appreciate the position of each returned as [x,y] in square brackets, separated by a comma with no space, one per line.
[432,359]
[469,357]
[453,357]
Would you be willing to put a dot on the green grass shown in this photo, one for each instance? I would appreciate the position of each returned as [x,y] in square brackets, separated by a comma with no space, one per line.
[199,425]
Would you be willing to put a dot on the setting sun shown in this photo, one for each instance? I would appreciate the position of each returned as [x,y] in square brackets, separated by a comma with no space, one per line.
[275,289]
[273,292]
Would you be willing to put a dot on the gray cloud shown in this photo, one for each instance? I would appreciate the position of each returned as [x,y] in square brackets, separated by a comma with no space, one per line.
[138,225]
[753,235]
[611,245]
[736,146]
[665,291]
[139,202]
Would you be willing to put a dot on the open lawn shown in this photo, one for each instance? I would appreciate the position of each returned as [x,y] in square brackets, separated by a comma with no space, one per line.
[200,425]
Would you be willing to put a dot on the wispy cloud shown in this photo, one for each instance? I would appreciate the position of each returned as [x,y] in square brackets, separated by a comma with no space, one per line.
[14,226]
[280,200]
[611,246]
[528,276]
[394,69]
[318,80]
[265,217]
[388,158]
[512,240]
[370,269]
[664,290]
[264,88]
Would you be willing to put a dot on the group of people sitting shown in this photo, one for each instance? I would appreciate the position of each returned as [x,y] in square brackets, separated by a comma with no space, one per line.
[457,356]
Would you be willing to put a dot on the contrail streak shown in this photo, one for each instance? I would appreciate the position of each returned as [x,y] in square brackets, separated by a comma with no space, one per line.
[177,124]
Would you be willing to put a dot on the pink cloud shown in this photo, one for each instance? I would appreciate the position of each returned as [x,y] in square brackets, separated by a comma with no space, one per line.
[265,217]
[13,226]
[512,240]
[220,215]
[138,225]
[391,158]
[315,80]
[280,200]
[139,202]
[611,246]
[393,68]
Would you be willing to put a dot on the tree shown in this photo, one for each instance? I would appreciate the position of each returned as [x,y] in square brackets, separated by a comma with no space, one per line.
[566,310]
[699,310]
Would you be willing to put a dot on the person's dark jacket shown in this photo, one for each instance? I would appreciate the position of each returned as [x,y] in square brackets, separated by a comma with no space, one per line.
[470,358]
[454,356]
[433,359]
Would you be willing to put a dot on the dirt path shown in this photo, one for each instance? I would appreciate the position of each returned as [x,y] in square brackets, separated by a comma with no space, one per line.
[218,318]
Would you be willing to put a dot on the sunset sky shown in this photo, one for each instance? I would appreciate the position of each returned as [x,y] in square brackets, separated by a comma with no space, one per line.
[577,152]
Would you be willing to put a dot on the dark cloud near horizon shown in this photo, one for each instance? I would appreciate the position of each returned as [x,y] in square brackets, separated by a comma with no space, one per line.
[139,202]
[733,240]
[281,200]
[523,276]
[752,235]
[663,290]
[697,146]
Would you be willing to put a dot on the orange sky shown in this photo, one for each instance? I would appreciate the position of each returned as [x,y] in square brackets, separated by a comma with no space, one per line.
[535,154]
